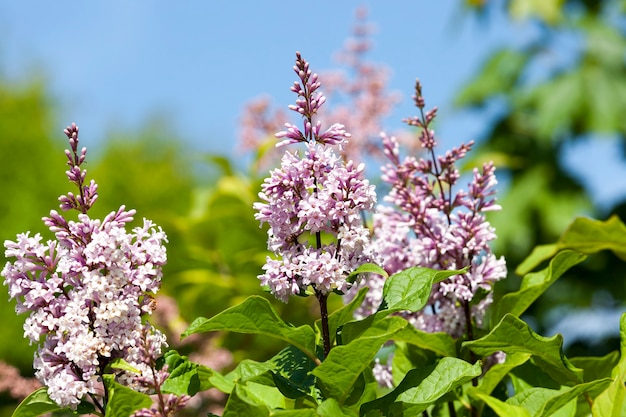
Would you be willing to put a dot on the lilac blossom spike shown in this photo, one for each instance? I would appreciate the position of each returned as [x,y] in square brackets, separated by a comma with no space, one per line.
[429,222]
[309,196]
[87,292]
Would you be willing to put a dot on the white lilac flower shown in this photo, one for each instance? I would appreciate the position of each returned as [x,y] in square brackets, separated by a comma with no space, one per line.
[87,292]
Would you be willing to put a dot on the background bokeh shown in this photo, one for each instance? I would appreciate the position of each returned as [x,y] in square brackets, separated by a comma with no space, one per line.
[158,91]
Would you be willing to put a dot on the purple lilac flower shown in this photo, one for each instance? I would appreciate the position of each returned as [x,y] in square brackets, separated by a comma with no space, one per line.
[87,291]
[428,224]
[313,203]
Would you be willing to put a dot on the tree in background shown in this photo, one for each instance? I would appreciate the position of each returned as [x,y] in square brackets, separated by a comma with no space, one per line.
[543,99]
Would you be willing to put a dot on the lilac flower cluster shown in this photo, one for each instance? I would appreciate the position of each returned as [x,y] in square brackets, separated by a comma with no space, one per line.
[87,291]
[313,204]
[429,225]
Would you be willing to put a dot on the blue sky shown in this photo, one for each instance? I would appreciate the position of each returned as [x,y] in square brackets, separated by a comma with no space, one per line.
[113,65]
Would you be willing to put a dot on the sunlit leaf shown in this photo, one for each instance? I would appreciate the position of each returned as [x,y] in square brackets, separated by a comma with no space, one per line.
[513,335]
[339,372]
[257,316]
[123,401]
[586,236]
[611,402]
[409,289]
[535,284]
[423,386]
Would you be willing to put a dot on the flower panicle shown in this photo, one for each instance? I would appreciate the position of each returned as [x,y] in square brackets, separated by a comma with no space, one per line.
[429,222]
[309,196]
[88,292]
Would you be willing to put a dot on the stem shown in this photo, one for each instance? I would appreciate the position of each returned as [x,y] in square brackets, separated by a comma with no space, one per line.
[322,299]
[451,410]
[473,358]
[97,404]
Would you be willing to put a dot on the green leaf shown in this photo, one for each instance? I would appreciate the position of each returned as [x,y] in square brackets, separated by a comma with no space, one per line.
[513,335]
[243,403]
[367,268]
[121,364]
[257,316]
[330,408]
[611,402]
[424,386]
[123,401]
[584,235]
[441,343]
[339,372]
[294,413]
[497,372]
[292,373]
[595,367]
[410,288]
[502,409]
[248,370]
[36,404]
[189,378]
[544,402]
[535,284]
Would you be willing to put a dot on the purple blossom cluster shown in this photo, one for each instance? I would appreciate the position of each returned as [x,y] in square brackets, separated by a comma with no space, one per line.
[428,224]
[313,203]
[87,292]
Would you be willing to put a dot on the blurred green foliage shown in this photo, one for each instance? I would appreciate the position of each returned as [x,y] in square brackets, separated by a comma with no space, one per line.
[541,106]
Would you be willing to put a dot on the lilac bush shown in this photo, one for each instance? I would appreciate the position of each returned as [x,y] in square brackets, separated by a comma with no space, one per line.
[419,281]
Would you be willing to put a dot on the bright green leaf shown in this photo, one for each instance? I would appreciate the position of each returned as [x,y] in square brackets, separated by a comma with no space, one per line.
[36,404]
[339,372]
[367,268]
[257,316]
[513,335]
[596,367]
[123,401]
[611,402]
[586,236]
[441,343]
[409,289]
[502,409]
[242,403]
[535,284]
[424,386]
[186,377]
